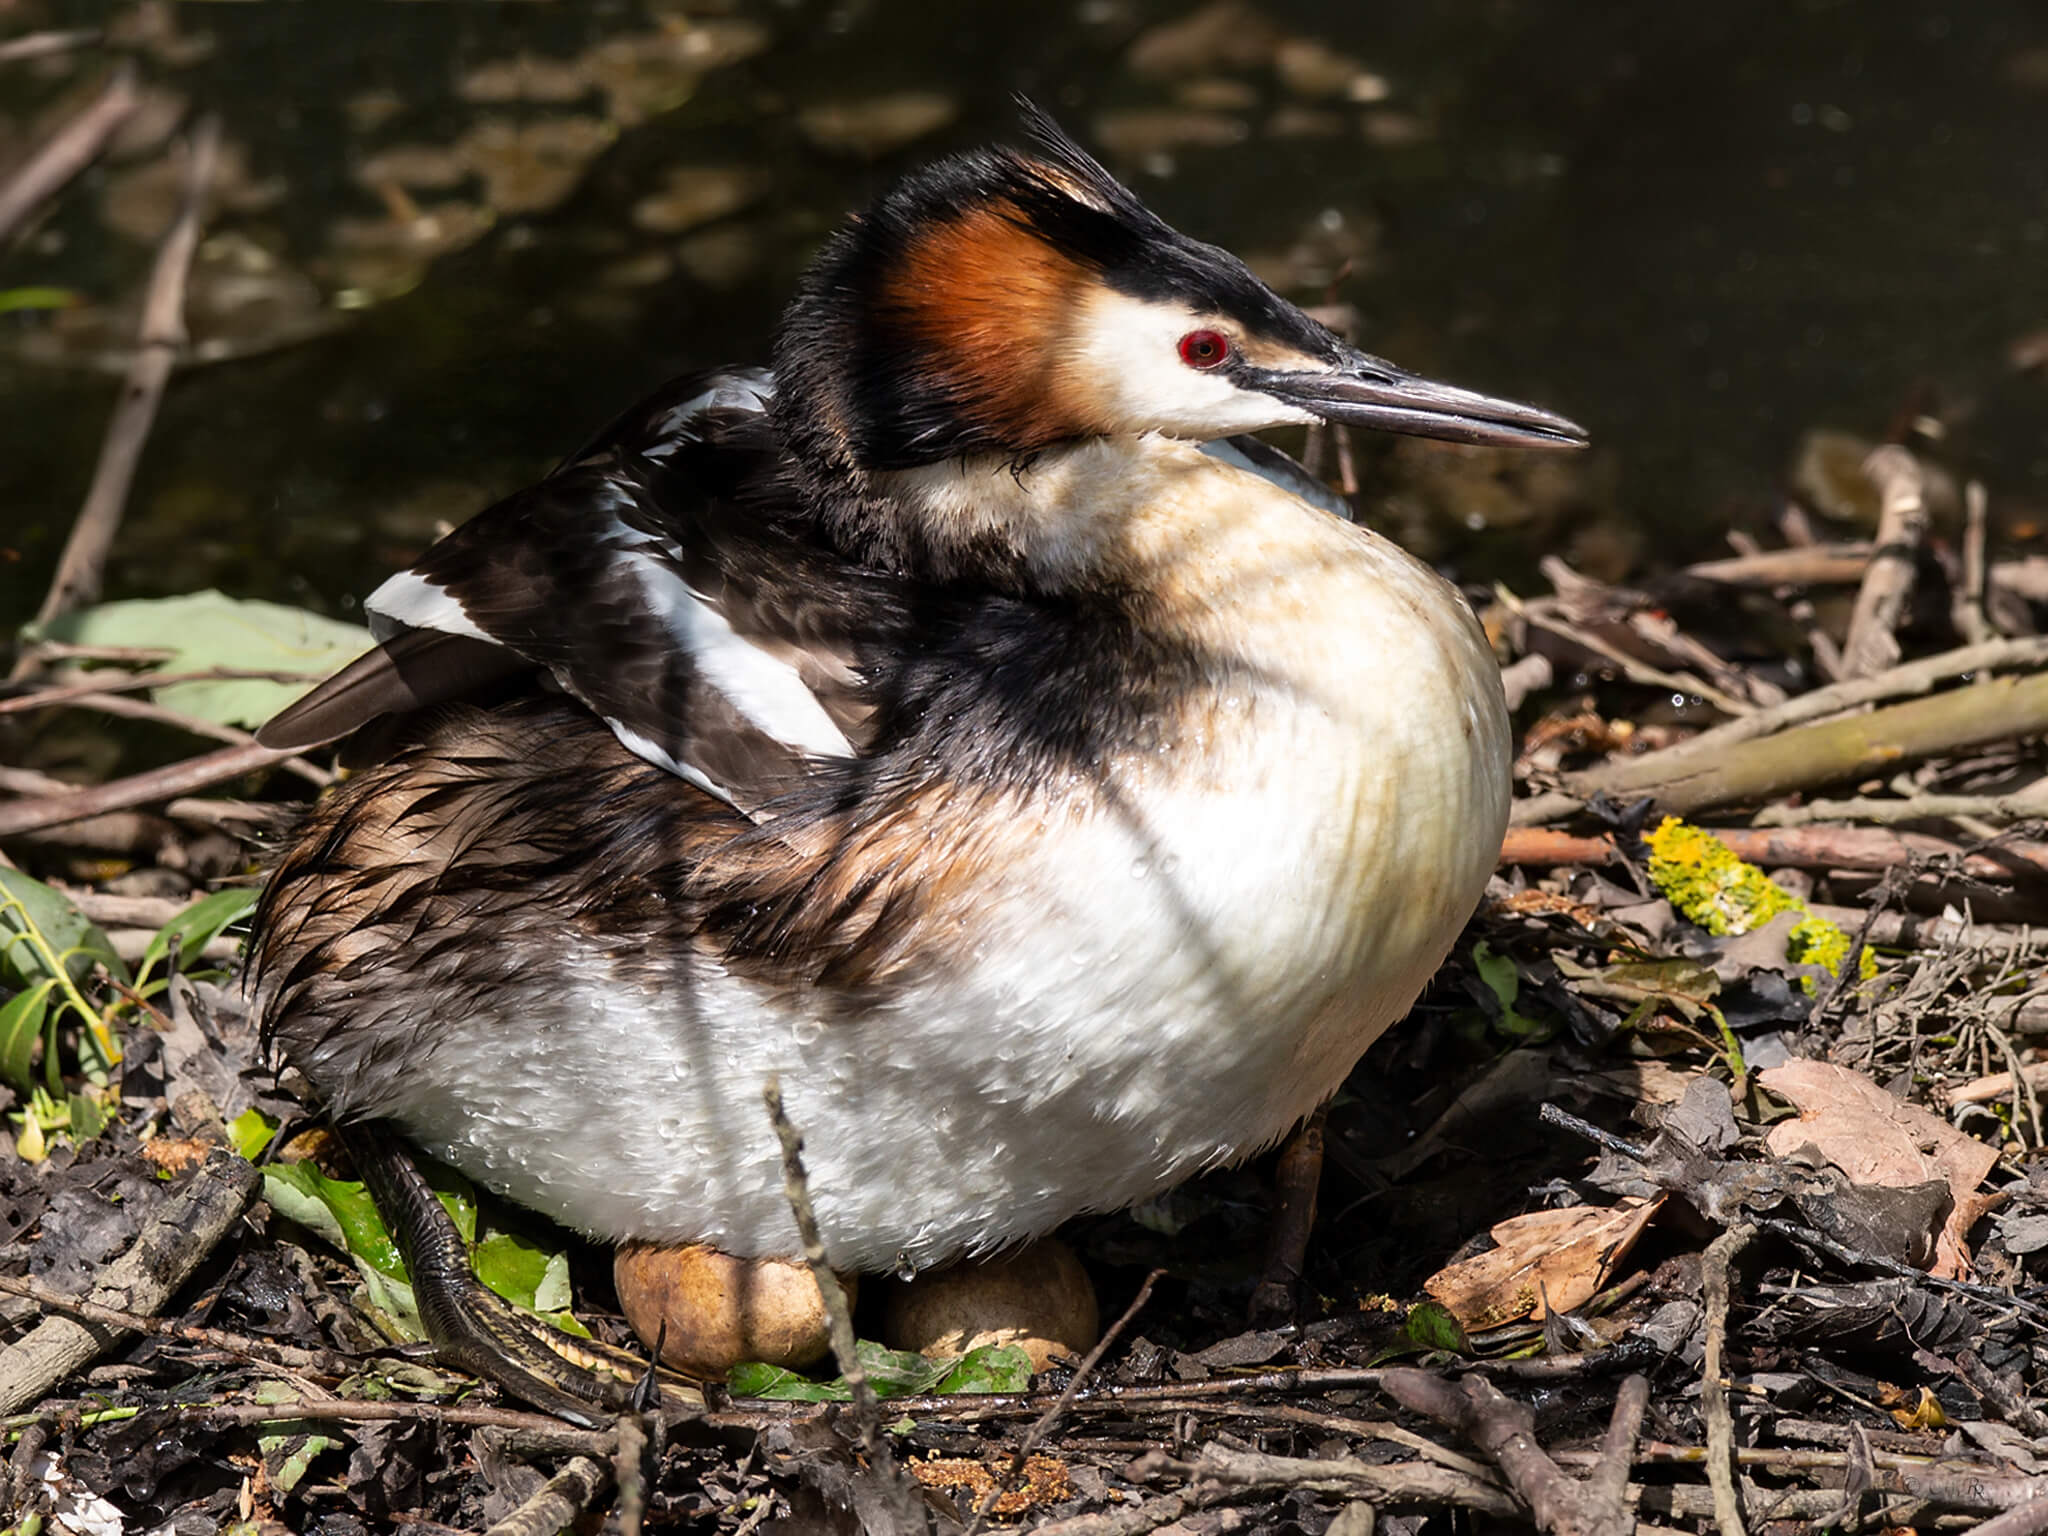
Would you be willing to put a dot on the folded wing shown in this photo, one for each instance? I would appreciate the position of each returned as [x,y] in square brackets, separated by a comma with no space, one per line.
[645,579]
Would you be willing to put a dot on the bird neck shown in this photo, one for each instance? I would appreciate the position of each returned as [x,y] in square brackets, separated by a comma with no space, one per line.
[1050,524]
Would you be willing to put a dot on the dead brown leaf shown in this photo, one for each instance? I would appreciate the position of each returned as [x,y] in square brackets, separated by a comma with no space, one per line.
[1878,1139]
[1547,1261]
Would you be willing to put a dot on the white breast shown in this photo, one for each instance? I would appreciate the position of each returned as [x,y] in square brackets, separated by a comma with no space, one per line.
[1166,976]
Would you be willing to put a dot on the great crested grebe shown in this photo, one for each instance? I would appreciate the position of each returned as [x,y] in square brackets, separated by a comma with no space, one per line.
[1057,805]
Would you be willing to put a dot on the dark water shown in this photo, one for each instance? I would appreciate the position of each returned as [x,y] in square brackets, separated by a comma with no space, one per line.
[1699,229]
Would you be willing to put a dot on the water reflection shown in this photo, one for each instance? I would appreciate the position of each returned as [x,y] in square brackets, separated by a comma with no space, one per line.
[453,239]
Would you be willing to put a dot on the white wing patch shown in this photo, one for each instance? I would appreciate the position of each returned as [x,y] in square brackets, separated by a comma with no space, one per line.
[410,601]
[651,751]
[762,688]
[766,690]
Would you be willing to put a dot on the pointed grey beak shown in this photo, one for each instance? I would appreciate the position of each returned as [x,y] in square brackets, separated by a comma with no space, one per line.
[1367,392]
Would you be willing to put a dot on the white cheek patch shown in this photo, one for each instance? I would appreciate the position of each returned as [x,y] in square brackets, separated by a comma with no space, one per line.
[1123,355]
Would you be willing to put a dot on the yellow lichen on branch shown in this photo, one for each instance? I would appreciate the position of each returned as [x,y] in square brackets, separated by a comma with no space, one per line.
[1710,886]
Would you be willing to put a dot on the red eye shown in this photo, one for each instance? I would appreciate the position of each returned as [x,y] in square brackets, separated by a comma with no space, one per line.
[1204,349]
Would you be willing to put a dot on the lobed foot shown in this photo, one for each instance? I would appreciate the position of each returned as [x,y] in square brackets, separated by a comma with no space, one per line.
[476,1329]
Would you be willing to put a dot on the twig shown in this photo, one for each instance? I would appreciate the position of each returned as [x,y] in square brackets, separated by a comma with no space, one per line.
[156,784]
[239,817]
[1564,1120]
[1607,1488]
[1997,1085]
[558,1503]
[1912,930]
[1136,1520]
[1505,1431]
[109,910]
[1830,847]
[2026,805]
[1803,565]
[156,714]
[550,1431]
[1872,644]
[68,151]
[1721,1474]
[2028,1519]
[1689,777]
[140,682]
[143,1279]
[1636,670]
[1710,751]
[291,1356]
[838,1314]
[40,651]
[1531,674]
[629,1468]
[1361,1429]
[1966,612]
[83,563]
[1045,1421]
[40,45]
[1406,1485]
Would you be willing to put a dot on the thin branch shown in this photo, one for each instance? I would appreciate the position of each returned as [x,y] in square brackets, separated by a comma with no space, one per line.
[559,1502]
[2027,805]
[1967,611]
[1041,1426]
[82,566]
[1803,565]
[1721,1473]
[2028,1519]
[325,1361]
[1709,748]
[1872,644]
[41,45]
[838,1313]
[1505,1431]
[68,151]
[166,783]
[142,682]
[156,714]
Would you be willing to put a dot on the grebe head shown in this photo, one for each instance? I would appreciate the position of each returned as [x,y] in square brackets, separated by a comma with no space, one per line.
[1002,302]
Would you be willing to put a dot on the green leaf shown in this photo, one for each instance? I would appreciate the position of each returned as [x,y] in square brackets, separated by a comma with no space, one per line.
[208,629]
[78,942]
[1431,1325]
[991,1368]
[512,1266]
[340,1210]
[197,926]
[21,1026]
[250,1131]
[16,299]
[88,1116]
[288,1457]
[1505,983]
[900,1372]
[892,1373]
[756,1378]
